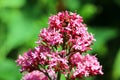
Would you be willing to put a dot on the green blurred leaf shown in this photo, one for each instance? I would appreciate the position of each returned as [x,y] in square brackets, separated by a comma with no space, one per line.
[72,5]
[11,3]
[117,2]
[89,78]
[102,35]
[43,22]
[62,77]
[116,67]
[9,71]
[88,11]
[86,78]
[2,32]
[20,30]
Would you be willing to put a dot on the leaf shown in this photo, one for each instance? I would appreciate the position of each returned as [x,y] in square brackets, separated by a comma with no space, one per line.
[72,5]
[20,30]
[116,67]
[102,35]
[62,77]
[117,2]
[88,11]
[9,71]
[11,3]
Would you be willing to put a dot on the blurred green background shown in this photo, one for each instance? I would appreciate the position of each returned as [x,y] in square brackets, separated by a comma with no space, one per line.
[21,21]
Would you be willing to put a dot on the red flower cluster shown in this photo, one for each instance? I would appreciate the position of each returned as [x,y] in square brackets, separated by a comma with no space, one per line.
[60,50]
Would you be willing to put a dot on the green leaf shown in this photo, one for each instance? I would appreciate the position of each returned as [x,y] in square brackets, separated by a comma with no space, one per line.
[20,30]
[116,67]
[102,35]
[88,11]
[117,2]
[86,78]
[11,3]
[72,5]
[62,77]
[9,71]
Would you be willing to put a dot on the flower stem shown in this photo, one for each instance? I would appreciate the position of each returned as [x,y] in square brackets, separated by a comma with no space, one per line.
[58,75]
[67,78]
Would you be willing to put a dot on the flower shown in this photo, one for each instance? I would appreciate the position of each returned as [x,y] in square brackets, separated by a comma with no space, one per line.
[30,60]
[75,59]
[35,75]
[42,54]
[27,61]
[71,29]
[58,63]
[51,37]
[60,51]
[92,65]
[85,65]
[63,19]
[52,73]
[83,43]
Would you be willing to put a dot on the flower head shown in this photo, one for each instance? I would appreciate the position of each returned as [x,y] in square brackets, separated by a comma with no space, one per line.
[86,65]
[72,29]
[60,50]
[27,61]
[30,60]
[51,37]
[35,75]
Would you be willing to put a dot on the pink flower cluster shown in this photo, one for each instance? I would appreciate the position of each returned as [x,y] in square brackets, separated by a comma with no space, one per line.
[60,50]
[35,75]
[85,65]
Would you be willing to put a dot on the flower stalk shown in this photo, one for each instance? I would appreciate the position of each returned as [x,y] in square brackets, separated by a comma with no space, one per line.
[58,75]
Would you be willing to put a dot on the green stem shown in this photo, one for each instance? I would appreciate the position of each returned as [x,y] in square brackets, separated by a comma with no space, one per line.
[67,78]
[58,75]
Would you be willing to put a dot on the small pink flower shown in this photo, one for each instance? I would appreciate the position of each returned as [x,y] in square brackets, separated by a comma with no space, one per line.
[86,66]
[31,59]
[80,71]
[70,26]
[75,59]
[52,74]
[43,53]
[27,62]
[83,41]
[58,63]
[93,65]
[35,75]
[51,37]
